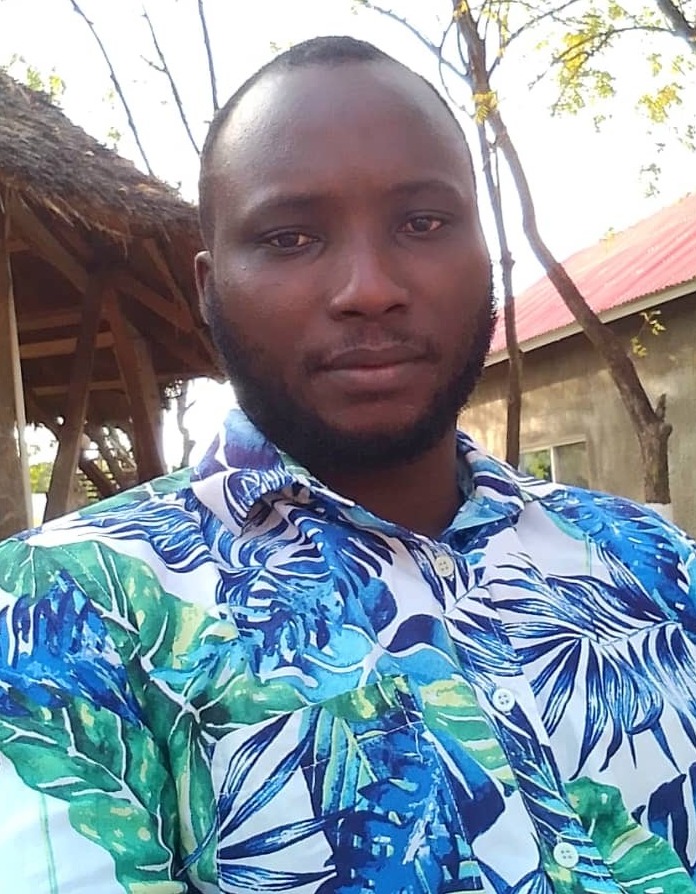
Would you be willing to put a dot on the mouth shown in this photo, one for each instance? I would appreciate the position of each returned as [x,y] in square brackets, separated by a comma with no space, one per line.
[373,357]
[375,370]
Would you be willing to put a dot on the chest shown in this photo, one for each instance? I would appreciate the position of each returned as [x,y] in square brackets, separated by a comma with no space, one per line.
[426,718]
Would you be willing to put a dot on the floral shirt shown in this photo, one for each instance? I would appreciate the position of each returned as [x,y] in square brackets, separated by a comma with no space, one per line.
[236,680]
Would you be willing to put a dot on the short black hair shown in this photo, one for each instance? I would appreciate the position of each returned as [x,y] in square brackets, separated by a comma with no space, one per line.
[320,51]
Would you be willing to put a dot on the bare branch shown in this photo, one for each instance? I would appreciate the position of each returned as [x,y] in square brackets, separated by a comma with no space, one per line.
[209,55]
[433,47]
[117,85]
[153,65]
[166,70]
[534,20]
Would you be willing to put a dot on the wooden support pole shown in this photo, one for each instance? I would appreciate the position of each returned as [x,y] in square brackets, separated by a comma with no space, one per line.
[111,458]
[15,496]
[71,431]
[138,375]
[101,481]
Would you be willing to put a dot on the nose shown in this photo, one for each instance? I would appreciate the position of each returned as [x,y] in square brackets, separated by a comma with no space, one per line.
[369,286]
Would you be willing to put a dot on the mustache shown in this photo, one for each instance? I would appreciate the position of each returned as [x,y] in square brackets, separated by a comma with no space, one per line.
[373,341]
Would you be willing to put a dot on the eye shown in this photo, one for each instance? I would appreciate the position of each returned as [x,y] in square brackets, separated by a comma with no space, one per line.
[422,223]
[289,240]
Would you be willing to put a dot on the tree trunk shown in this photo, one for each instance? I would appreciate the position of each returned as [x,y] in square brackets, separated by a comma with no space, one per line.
[514,396]
[649,424]
[182,406]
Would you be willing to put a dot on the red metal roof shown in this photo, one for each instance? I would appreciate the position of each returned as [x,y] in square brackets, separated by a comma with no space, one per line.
[648,258]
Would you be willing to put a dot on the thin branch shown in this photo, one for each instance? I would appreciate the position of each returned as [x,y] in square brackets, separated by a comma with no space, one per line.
[166,70]
[535,20]
[576,49]
[153,65]
[209,55]
[433,47]
[117,86]
[443,63]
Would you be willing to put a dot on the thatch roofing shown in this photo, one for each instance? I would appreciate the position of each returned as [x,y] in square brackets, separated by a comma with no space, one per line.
[56,164]
[76,207]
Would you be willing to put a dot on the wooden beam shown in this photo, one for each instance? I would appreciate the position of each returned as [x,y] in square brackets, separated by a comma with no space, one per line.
[72,429]
[155,254]
[96,433]
[141,387]
[108,385]
[102,482]
[52,320]
[15,245]
[54,390]
[167,310]
[27,227]
[178,347]
[15,497]
[60,347]
[159,259]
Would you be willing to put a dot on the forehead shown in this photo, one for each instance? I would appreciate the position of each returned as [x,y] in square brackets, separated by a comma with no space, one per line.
[317,127]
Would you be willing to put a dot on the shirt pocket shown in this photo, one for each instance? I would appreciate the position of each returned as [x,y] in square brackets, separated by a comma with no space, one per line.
[347,795]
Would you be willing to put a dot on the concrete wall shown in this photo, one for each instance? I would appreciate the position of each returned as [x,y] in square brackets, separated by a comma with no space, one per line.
[569,396]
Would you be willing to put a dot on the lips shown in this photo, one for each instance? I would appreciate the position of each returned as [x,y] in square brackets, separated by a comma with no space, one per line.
[374,372]
[373,357]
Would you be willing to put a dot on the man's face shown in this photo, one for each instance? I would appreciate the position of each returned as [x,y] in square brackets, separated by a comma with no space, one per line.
[348,285]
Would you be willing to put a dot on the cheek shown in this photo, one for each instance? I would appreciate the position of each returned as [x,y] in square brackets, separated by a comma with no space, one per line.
[269,301]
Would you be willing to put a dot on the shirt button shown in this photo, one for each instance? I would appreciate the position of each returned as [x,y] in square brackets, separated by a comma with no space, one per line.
[503,700]
[566,855]
[444,566]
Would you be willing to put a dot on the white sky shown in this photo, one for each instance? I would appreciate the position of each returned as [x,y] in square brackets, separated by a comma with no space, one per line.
[585,183]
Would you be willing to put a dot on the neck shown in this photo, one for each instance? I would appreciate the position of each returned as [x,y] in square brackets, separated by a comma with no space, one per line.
[421,495]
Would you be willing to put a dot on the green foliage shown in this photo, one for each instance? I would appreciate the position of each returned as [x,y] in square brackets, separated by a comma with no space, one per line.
[578,78]
[113,138]
[586,64]
[537,463]
[40,477]
[484,104]
[51,84]
[659,105]
[651,325]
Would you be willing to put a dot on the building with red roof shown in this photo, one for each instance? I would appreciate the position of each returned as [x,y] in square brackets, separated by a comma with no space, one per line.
[574,426]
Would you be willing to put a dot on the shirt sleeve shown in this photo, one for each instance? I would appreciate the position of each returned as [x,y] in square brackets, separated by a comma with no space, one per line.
[88,802]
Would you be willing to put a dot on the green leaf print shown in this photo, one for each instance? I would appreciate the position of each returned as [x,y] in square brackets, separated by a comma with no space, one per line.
[143,793]
[450,706]
[80,755]
[639,861]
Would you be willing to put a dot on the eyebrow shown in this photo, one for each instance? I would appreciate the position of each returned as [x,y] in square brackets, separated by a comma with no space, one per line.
[305,201]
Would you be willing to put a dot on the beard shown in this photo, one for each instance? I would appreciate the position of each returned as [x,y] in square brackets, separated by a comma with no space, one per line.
[313,441]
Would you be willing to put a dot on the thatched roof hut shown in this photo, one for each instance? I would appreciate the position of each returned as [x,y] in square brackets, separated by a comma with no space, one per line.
[96,283]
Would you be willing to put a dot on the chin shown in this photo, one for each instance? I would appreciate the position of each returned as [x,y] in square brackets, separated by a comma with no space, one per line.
[380,419]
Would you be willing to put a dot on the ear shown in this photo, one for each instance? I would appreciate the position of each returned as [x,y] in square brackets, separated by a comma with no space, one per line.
[203,268]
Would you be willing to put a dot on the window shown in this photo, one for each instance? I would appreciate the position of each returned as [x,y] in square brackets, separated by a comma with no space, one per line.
[565,463]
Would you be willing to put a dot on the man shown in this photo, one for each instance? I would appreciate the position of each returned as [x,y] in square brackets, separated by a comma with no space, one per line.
[350,652]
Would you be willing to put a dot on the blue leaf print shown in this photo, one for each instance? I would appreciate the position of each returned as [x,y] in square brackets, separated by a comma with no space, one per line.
[57,648]
[170,525]
[249,878]
[667,815]
[640,549]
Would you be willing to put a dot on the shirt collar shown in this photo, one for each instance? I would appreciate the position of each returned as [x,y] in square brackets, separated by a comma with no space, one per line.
[241,467]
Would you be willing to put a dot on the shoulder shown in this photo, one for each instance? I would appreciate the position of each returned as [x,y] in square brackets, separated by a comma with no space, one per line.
[641,550]
[143,534]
